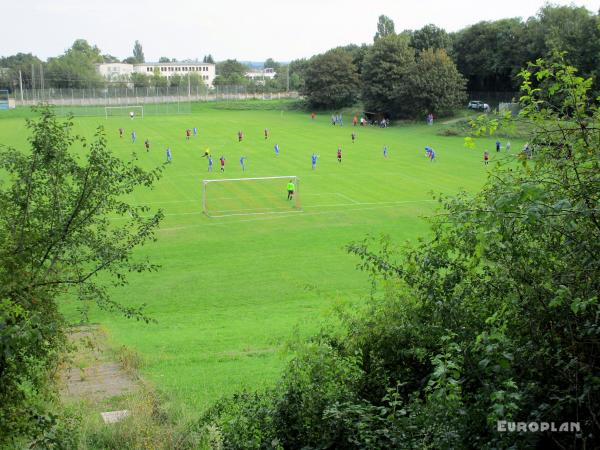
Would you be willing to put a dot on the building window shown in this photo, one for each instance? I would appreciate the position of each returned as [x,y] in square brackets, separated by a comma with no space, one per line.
[148,69]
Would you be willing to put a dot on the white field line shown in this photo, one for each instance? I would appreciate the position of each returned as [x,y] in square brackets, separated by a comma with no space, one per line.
[283,216]
[246,209]
[221,198]
[254,214]
[169,202]
[196,213]
[347,198]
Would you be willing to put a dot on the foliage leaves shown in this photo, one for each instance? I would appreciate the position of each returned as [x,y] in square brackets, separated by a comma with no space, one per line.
[57,235]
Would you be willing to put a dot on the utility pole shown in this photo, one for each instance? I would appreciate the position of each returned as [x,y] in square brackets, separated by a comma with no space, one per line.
[42,80]
[21,86]
[32,82]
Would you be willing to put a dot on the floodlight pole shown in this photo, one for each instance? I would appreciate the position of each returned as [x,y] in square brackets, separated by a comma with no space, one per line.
[21,86]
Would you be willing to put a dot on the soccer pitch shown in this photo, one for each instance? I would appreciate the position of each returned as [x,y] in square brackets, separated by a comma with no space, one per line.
[233,290]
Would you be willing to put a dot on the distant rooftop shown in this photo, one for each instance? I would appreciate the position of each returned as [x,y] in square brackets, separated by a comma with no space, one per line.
[178,63]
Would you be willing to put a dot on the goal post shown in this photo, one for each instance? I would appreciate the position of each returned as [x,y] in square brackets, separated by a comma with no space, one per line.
[250,196]
[119,111]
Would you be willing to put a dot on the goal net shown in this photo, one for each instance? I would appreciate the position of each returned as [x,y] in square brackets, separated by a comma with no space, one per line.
[250,196]
[120,111]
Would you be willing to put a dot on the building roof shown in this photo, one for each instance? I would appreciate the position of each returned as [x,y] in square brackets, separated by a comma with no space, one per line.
[178,63]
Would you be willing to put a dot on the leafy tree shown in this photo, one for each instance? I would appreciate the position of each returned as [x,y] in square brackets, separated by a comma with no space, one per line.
[20,62]
[385,27]
[570,29]
[157,80]
[164,59]
[140,79]
[138,53]
[269,63]
[331,80]
[231,72]
[297,69]
[430,37]
[208,59]
[176,80]
[56,236]
[194,80]
[76,68]
[386,67]
[109,58]
[357,53]
[491,54]
[435,85]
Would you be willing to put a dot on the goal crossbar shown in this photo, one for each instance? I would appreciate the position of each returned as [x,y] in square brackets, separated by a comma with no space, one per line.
[250,179]
[261,199]
[126,108]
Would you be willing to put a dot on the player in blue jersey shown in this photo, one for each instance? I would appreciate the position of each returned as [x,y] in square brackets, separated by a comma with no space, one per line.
[428,151]
[313,159]
[133,137]
[243,163]
[276,149]
[432,155]
[195,131]
[385,151]
[169,158]
[210,163]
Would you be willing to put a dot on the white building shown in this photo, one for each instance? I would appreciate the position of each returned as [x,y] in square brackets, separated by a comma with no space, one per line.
[115,71]
[205,70]
[120,71]
[260,75]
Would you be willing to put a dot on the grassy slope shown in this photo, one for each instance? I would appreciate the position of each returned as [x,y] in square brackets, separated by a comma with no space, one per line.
[232,290]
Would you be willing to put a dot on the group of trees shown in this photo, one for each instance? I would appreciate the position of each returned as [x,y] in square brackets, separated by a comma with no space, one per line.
[392,76]
[489,55]
[494,318]
[76,68]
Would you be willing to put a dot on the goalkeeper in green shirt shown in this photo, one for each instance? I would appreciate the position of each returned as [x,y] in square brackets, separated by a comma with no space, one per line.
[290,189]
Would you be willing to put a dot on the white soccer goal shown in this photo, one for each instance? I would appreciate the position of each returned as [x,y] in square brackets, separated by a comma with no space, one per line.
[116,111]
[250,196]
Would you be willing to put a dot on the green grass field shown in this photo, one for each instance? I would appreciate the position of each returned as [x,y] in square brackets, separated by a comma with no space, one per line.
[233,290]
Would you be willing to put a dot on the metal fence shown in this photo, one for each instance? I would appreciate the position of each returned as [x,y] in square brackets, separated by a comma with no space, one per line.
[124,96]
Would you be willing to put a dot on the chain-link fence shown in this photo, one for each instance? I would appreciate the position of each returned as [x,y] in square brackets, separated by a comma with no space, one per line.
[155,100]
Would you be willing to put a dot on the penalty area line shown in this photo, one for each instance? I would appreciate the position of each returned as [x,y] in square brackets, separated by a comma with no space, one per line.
[285,216]
[254,214]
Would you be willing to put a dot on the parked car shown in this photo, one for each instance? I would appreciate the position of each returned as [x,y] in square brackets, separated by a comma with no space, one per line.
[478,105]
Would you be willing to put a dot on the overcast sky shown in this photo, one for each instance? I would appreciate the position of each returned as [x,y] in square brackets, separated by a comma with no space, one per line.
[245,30]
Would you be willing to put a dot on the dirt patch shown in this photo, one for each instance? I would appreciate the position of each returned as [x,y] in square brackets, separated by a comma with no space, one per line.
[92,373]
